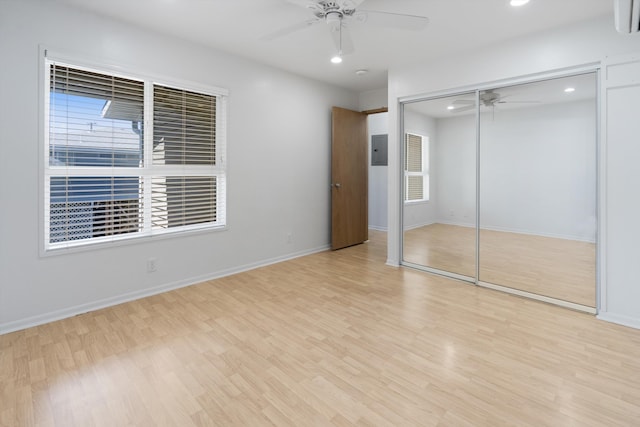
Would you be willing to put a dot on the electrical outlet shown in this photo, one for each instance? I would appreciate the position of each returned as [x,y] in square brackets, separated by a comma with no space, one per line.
[289,237]
[151,265]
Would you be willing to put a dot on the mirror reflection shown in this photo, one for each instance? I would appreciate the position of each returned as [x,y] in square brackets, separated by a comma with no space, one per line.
[439,209]
[538,188]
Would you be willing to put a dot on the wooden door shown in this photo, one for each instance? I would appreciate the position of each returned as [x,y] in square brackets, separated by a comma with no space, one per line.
[349,186]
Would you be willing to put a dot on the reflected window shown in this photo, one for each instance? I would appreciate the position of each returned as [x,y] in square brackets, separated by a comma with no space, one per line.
[416,168]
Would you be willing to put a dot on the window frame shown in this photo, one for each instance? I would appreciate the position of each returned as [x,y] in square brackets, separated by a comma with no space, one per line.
[146,171]
[424,173]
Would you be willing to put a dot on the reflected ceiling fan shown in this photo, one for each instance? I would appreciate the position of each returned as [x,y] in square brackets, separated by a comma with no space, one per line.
[488,98]
[340,14]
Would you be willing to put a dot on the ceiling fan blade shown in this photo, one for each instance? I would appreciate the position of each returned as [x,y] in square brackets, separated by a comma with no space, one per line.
[349,4]
[290,29]
[391,20]
[345,46]
[461,109]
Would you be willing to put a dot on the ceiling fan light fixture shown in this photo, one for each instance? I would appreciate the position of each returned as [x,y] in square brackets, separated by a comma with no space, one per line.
[333,17]
[516,3]
[336,59]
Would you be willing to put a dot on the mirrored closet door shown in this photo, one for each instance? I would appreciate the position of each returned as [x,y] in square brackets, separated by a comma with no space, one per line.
[499,187]
[538,188]
[439,206]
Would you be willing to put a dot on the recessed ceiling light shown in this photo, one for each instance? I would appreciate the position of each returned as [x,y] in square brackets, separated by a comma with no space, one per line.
[516,3]
[570,89]
[361,72]
[451,107]
[336,59]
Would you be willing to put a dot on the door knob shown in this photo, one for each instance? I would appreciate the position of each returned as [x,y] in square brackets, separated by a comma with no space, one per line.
[337,184]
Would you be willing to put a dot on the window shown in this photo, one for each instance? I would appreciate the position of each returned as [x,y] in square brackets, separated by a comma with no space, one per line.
[416,168]
[129,157]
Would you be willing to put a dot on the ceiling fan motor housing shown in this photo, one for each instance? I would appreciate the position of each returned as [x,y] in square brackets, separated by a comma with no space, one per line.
[332,11]
[489,98]
[333,17]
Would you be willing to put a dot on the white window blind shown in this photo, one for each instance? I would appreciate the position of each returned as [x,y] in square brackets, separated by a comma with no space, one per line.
[111,173]
[416,160]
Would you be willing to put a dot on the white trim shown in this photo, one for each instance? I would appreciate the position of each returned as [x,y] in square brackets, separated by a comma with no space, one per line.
[518,231]
[43,135]
[459,224]
[128,239]
[495,84]
[537,297]
[607,82]
[601,200]
[424,224]
[619,319]
[52,316]
[417,202]
[377,228]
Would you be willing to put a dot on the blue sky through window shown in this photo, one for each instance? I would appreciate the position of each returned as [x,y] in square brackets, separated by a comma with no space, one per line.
[81,135]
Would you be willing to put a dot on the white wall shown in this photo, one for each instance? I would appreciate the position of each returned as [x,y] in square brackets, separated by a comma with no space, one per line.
[416,214]
[378,195]
[572,46]
[537,170]
[373,99]
[455,179]
[278,175]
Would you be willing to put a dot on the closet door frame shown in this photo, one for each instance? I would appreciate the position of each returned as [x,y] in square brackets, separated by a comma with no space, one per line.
[476,89]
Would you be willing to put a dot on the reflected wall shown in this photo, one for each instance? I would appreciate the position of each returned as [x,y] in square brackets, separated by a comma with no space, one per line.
[538,188]
[439,228]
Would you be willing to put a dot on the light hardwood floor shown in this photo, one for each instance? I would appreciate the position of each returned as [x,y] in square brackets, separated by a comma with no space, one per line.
[558,268]
[335,338]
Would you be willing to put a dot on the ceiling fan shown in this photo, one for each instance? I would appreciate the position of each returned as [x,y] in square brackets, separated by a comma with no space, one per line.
[340,14]
[488,98]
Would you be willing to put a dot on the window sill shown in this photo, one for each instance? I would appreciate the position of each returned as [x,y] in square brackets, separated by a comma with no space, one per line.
[126,241]
[416,202]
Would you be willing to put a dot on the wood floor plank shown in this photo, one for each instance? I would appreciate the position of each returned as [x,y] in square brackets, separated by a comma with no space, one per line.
[553,267]
[332,339]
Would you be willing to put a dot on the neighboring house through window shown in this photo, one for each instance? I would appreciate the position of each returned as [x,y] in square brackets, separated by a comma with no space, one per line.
[128,157]
[416,168]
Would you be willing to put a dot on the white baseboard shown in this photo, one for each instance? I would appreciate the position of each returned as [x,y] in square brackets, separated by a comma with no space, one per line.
[392,263]
[631,322]
[52,316]
[422,224]
[517,231]
[459,224]
[377,228]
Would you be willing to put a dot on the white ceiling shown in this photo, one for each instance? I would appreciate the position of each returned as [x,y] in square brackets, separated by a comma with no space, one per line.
[237,26]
